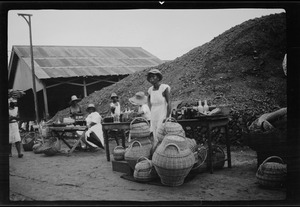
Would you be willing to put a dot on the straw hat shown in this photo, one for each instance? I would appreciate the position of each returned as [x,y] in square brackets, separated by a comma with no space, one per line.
[156,72]
[74,98]
[91,106]
[113,95]
[139,98]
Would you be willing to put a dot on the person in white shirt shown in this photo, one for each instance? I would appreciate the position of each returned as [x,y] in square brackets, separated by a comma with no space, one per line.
[14,134]
[141,100]
[93,137]
[115,106]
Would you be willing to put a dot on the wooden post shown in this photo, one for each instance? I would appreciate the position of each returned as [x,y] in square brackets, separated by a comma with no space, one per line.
[45,100]
[84,87]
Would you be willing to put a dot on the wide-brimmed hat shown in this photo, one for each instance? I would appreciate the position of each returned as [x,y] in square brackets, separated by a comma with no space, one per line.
[74,98]
[139,98]
[156,72]
[91,106]
[113,95]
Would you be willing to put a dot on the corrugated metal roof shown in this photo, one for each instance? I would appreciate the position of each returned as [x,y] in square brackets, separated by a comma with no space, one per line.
[74,61]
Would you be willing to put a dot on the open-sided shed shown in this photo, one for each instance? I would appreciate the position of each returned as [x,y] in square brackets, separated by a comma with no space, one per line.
[63,71]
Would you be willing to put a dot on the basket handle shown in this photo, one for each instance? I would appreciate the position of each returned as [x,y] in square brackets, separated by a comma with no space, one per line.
[135,141]
[272,158]
[142,157]
[171,119]
[136,118]
[118,147]
[172,144]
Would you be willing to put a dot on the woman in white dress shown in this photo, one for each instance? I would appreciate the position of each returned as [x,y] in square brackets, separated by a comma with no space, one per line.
[14,134]
[93,137]
[158,100]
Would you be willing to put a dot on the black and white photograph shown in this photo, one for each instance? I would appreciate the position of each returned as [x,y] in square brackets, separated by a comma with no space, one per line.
[181,104]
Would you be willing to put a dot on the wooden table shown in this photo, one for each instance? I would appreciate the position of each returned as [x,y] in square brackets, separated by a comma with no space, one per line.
[109,126]
[60,132]
[211,122]
[208,121]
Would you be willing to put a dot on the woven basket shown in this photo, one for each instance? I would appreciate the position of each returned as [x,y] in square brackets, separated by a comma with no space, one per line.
[119,153]
[134,152]
[179,140]
[272,174]
[52,147]
[218,157]
[200,158]
[38,148]
[28,143]
[144,170]
[170,126]
[145,142]
[224,107]
[139,128]
[172,164]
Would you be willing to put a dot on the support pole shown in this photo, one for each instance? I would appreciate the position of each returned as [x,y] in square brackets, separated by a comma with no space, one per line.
[32,67]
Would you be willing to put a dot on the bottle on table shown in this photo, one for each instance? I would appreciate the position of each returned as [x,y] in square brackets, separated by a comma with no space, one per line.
[205,107]
[200,107]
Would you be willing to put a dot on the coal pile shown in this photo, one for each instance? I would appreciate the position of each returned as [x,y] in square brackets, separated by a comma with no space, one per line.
[243,64]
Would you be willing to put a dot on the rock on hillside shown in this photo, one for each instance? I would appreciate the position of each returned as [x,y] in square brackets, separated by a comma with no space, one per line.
[244,64]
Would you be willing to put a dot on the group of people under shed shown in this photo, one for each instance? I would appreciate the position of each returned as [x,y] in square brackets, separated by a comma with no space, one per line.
[155,107]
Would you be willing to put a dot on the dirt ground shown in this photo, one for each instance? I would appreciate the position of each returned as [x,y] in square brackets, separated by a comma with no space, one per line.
[87,176]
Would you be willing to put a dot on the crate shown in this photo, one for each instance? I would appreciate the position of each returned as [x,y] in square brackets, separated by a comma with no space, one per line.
[121,166]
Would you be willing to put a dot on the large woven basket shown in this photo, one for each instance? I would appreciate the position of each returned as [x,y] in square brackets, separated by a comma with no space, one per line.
[52,146]
[272,174]
[170,126]
[139,128]
[172,164]
[119,153]
[134,152]
[144,170]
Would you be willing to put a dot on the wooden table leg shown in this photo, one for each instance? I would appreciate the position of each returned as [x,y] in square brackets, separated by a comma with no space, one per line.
[75,145]
[228,147]
[210,164]
[106,145]
[123,138]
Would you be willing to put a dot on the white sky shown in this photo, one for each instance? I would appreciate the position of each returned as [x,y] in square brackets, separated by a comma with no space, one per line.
[167,34]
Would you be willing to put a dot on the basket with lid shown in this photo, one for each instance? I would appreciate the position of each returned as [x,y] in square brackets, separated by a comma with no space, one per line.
[139,128]
[134,152]
[144,170]
[172,164]
[170,126]
[272,174]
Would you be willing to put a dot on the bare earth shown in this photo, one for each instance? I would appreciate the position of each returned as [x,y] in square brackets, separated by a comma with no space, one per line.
[88,176]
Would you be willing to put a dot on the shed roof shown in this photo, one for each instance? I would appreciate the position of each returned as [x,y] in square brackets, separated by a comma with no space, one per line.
[77,61]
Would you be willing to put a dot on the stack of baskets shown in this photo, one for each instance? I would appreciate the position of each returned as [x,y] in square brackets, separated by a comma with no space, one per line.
[173,160]
[140,145]
[134,152]
[272,174]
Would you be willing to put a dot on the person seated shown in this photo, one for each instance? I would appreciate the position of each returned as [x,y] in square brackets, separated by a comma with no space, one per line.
[75,109]
[92,138]
[141,100]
